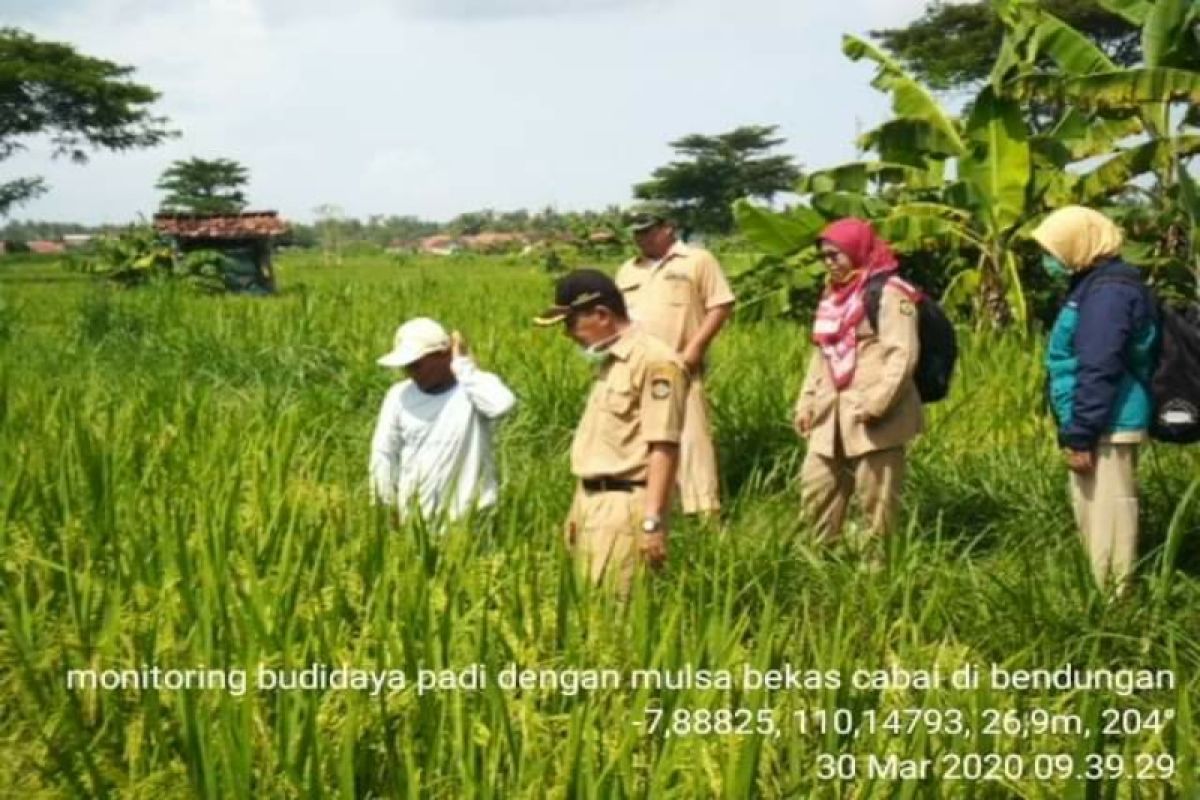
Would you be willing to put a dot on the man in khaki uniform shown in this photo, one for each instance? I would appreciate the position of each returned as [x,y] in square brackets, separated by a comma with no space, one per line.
[857,434]
[626,447]
[679,294]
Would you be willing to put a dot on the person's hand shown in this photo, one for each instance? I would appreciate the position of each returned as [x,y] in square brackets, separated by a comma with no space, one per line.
[802,421]
[860,413]
[693,359]
[654,548]
[1080,462]
[458,345]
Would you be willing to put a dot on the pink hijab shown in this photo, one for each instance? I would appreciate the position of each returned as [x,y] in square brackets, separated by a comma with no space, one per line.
[843,306]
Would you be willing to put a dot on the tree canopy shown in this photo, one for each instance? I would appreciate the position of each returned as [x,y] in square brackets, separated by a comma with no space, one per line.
[202,186]
[954,45]
[713,171]
[81,103]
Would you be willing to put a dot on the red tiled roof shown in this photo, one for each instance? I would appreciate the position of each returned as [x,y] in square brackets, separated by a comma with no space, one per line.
[251,224]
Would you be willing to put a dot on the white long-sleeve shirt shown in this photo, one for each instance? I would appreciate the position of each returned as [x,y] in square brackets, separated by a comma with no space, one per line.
[437,448]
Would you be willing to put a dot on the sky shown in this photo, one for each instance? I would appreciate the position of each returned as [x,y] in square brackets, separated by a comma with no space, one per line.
[436,107]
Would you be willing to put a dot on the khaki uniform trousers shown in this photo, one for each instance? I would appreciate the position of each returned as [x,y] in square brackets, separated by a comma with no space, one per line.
[603,532]
[1106,510]
[827,484]
[698,481]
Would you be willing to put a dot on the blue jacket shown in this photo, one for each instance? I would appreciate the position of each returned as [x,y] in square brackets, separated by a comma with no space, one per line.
[1100,357]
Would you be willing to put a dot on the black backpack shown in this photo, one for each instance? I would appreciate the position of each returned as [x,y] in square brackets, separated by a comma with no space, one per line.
[939,343]
[1175,384]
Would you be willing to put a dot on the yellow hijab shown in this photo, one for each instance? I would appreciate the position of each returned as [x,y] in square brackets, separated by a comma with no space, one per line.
[1079,237]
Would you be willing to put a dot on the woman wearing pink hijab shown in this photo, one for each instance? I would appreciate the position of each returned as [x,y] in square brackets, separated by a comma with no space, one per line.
[859,406]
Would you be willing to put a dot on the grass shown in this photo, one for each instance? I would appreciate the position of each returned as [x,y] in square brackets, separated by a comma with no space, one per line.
[184,486]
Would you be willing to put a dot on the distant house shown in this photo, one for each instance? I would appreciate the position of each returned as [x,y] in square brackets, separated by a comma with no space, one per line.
[440,245]
[76,241]
[45,247]
[244,239]
[493,242]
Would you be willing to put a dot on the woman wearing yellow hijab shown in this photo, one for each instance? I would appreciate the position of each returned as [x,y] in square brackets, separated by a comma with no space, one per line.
[1100,358]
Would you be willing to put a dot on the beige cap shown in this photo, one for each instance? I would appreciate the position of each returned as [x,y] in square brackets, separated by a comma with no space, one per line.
[416,338]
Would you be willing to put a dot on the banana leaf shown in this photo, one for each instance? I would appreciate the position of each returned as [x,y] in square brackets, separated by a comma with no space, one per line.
[1167,39]
[1124,90]
[909,142]
[1134,12]
[1014,290]
[775,232]
[998,164]
[1072,51]
[945,220]
[1087,135]
[910,100]
[833,205]
[1115,174]
[855,177]
[909,233]
[1189,197]
[963,289]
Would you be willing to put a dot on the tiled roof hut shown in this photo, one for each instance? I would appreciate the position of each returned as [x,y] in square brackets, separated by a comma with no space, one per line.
[244,239]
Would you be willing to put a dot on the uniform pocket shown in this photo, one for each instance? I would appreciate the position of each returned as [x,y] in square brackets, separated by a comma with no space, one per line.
[679,291]
[619,400]
[628,285]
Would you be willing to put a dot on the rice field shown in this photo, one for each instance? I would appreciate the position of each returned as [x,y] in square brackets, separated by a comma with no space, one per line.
[183,490]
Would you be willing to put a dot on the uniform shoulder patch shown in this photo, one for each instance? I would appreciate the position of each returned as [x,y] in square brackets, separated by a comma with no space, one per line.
[907,308]
[663,377]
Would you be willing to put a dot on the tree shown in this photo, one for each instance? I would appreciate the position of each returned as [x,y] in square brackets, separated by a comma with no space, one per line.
[80,102]
[200,186]
[717,170]
[954,45]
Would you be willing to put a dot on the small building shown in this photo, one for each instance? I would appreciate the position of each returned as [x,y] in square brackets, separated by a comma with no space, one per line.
[440,245]
[244,239]
[44,247]
[494,242]
[77,241]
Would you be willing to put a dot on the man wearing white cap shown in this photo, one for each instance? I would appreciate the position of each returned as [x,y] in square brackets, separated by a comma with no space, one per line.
[432,447]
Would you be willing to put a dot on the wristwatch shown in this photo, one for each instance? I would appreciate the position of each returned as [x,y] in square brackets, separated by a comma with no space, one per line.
[652,524]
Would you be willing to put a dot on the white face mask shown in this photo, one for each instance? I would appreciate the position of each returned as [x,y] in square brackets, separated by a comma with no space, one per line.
[594,354]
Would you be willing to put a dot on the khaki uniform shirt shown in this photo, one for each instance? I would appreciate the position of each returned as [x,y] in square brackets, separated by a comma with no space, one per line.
[882,386]
[636,400]
[669,299]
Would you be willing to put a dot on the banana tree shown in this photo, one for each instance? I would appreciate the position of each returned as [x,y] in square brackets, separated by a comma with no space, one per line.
[991,157]
[1058,122]
[1140,121]
[906,191]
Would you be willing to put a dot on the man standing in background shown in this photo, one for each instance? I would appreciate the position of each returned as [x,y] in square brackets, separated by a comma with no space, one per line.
[432,448]
[679,295]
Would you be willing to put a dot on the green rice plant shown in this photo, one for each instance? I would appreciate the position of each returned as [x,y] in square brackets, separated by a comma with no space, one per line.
[184,486]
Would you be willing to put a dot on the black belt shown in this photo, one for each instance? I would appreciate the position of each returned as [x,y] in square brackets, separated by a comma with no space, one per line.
[611,485]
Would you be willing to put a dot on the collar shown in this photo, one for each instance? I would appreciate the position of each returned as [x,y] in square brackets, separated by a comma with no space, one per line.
[623,346]
[677,250]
